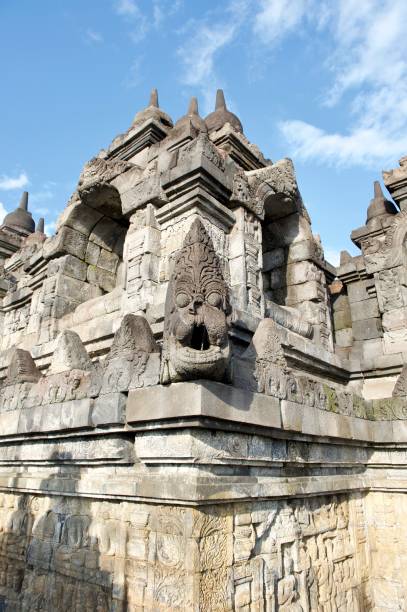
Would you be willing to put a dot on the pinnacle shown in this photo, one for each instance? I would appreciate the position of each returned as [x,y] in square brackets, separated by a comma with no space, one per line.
[154,98]
[24,201]
[378,192]
[40,225]
[379,206]
[193,106]
[221,115]
[220,100]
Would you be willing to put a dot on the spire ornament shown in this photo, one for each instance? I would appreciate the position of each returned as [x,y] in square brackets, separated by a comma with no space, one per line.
[192,118]
[221,115]
[379,206]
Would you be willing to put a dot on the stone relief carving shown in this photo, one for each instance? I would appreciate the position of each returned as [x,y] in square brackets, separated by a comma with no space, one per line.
[99,171]
[133,361]
[253,241]
[389,290]
[69,354]
[278,178]
[384,253]
[296,555]
[134,357]
[400,388]
[197,310]
[397,230]
[201,145]
[264,368]
[22,368]
[241,191]
[86,555]
[289,319]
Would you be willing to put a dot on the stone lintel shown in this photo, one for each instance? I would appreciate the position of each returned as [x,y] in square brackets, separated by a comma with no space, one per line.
[320,362]
[361,233]
[211,402]
[146,135]
[200,202]
[237,149]
[185,182]
[202,399]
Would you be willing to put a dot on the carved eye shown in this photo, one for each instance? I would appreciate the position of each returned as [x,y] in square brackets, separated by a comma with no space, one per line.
[214,299]
[182,300]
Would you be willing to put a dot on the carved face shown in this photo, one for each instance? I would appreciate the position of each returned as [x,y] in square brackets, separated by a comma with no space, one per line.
[197,308]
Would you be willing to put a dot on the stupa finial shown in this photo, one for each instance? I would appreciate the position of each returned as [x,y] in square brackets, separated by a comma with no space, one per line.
[24,201]
[221,115]
[377,190]
[40,225]
[379,206]
[154,98]
[220,100]
[192,117]
[193,106]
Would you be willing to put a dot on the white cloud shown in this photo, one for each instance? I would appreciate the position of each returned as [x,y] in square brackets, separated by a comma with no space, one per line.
[133,77]
[206,39]
[130,11]
[50,228]
[3,212]
[158,14]
[93,37]
[38,198]
[369,63]
[198,55]
[41,196]
[7,183]
[369,147]
[333,256]
[276,18]
[127,8]
[41,210]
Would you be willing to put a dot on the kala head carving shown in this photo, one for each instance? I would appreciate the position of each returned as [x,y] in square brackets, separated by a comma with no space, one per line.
[197,308]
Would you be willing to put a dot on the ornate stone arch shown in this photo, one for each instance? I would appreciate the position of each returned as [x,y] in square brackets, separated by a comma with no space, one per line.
[93,226]
[274,190]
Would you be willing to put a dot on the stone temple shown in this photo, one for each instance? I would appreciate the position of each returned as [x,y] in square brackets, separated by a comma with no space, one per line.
[197,410]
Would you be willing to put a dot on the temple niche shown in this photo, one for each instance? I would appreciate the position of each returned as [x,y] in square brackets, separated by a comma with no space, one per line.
[197,409]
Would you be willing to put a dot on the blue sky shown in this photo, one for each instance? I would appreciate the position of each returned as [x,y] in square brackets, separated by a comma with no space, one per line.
[320,81]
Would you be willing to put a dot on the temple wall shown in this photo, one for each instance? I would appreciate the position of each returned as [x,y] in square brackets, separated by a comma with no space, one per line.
[197,411]
[387,532]
[303,554]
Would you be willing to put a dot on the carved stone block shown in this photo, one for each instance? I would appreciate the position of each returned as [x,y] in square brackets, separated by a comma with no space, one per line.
[197,308]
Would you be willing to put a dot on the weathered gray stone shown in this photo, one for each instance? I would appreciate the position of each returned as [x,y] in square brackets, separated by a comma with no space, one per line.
[67,240]
[367,328]
[101,278]
[342,319]
[273,259]
[209,400]
[73,289]
[358,291]
[233,436]
[22,368]
[344,337]
[109,409]
[197,309]
[92,253]
[69,354]
[68,265]
[366,309]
